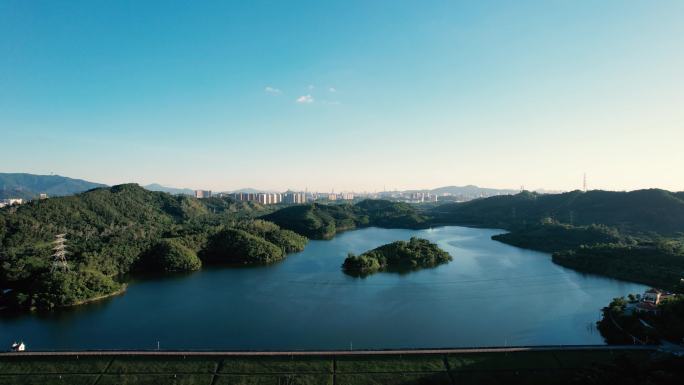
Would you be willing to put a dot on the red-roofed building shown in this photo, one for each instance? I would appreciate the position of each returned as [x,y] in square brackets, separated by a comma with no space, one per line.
[650,301]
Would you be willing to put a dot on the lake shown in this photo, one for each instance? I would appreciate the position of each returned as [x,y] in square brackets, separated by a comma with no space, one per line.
[491,294]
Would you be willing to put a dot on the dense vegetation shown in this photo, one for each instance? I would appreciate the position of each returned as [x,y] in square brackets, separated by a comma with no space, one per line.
[288,241]
[169,255]
[659,264]
[114,231]
[646,258]
[397,256]
[552,236]
[29,186]
[619,326]
[253,242]
[641,211]
[635,235]
[320,221]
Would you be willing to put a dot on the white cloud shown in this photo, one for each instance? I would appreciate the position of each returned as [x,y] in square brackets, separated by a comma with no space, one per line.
[311,87]
[272,90]
[305,99]
[332,89]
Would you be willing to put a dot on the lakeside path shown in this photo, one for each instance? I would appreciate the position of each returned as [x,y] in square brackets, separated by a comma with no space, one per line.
[473,350]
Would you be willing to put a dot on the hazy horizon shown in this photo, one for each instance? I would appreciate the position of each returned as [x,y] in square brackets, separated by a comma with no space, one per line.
[306,188]
[354,95]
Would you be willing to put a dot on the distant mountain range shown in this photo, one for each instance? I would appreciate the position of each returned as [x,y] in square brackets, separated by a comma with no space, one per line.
[187,191]
[248,190]
[170,190]
[471,190]
[30,186]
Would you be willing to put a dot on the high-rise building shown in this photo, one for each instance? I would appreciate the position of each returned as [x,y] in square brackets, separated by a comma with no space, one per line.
[291,197]
[347,196]
[269,198]
[202,194]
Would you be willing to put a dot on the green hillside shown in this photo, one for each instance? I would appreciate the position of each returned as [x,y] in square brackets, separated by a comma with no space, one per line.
[114,231]
[640,211]
[29,186]
[637,236]
[319,221]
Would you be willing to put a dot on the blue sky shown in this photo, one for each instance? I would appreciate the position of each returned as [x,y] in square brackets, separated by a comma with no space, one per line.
[350,95]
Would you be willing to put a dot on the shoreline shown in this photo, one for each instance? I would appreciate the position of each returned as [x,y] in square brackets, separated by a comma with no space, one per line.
[124,287]
[433,225]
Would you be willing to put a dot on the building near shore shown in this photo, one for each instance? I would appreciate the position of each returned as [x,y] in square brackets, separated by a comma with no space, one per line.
[650,300]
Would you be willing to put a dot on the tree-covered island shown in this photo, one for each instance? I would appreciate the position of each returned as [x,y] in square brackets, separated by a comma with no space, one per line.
[417,253]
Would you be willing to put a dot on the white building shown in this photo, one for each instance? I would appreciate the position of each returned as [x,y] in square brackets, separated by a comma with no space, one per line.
[347,196]
[202,194]
[269,198]
[11,202]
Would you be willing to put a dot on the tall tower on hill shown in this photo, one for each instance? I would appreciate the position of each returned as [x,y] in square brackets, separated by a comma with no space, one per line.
[59,260]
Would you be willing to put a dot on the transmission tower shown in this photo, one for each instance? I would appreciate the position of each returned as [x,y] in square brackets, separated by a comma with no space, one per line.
[59,253]
[584,182]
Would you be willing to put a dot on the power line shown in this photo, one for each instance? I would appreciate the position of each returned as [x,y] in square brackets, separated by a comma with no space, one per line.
[59,260]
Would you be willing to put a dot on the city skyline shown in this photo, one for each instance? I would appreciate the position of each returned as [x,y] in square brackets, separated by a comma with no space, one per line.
[353,95]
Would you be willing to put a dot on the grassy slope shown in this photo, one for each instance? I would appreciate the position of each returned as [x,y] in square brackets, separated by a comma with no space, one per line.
[563,367]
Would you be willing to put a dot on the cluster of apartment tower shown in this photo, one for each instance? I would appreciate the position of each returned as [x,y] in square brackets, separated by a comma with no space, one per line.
[270,198]
[265,198]
[18,201]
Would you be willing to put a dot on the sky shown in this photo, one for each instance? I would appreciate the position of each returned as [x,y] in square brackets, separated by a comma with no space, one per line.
[347,95]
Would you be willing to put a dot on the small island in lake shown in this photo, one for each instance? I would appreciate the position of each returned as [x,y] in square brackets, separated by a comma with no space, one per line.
[396,256]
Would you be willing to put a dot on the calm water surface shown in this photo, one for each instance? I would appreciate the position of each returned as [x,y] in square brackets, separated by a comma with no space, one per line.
[491,294]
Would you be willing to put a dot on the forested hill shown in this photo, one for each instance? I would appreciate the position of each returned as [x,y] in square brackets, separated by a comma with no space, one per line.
[636,236]
[29,186]
[640,211]
[113,231]
[321,221]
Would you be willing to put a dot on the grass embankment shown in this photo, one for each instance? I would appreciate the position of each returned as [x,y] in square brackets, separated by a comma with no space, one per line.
[557,367]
